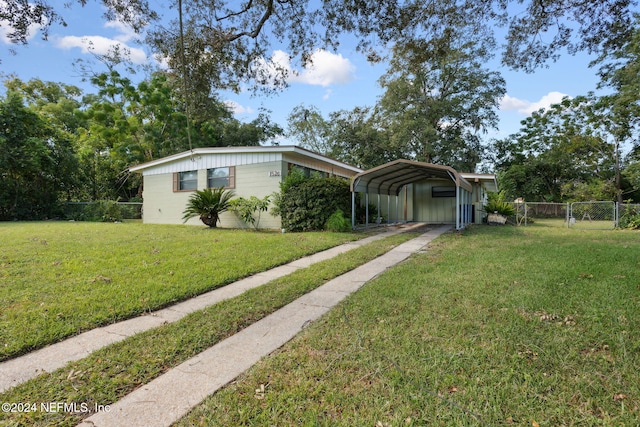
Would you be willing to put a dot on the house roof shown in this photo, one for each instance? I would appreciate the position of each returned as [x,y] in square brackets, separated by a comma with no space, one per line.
[291,150]
[391,177]
[488,179]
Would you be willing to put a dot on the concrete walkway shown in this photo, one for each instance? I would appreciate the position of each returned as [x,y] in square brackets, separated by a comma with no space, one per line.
[172,395]
[48,359]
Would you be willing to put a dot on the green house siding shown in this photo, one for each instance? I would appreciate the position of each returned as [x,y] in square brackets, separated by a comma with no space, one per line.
[427,208]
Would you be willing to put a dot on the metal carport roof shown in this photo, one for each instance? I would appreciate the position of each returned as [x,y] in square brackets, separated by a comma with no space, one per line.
[391,177]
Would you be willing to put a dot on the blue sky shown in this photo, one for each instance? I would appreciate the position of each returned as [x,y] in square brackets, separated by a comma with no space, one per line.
[338,80]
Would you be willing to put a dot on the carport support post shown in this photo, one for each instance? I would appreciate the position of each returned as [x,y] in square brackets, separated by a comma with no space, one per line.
[457,208]
[388,208]
[353,210]
[397,211]
[366,209]
[469,210]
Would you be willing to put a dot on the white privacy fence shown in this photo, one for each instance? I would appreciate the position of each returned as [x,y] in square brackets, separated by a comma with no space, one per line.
[596,215]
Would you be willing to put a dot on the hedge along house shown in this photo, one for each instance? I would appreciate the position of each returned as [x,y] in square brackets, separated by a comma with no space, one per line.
[257,171]
[405,190]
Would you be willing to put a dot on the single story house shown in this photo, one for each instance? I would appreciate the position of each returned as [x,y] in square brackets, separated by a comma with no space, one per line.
[402,190]
[248,171]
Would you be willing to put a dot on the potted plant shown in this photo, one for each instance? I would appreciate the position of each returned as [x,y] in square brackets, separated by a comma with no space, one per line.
[498,209]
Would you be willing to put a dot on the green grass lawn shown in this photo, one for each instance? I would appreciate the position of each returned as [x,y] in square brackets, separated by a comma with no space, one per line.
[495,326]
[60,278]
[114,371]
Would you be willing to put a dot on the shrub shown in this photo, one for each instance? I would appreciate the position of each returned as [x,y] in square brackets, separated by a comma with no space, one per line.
[338,223]
[361,212]
[109,211]
[103,210]
[630,219]
[208,204]
[249,210]
[307,204]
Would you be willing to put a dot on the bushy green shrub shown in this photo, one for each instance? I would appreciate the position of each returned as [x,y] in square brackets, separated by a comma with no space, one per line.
[109,211]
[338,223]
[307,204]
[630,219]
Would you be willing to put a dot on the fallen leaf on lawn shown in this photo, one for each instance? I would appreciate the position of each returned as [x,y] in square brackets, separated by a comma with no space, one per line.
[260,392]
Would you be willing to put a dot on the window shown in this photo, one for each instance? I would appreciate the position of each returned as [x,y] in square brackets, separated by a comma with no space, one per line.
[221,177]
[443,191]
[185,181]
[307,172]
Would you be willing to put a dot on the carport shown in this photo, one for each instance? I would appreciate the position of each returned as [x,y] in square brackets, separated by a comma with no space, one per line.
[392,178]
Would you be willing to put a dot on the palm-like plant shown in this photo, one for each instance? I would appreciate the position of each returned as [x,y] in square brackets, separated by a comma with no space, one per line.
[208,204]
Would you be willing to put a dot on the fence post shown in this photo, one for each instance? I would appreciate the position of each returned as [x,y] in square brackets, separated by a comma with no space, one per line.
[568,215]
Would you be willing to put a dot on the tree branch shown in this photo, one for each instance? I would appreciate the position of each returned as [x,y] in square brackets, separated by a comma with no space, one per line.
[253,34]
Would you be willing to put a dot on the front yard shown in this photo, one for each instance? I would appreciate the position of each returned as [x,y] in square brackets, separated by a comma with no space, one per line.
[61,278]
[524,326]
[497,326]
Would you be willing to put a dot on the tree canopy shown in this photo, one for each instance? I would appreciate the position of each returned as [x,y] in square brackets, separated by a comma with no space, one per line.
[439,97]
[58,144]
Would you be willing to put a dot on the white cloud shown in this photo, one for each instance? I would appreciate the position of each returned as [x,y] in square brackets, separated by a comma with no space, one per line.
[324,69]
[101,45]
[236,108]
[508,103]
[125,33]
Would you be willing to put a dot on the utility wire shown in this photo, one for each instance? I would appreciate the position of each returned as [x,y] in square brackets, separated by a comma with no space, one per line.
[185,85]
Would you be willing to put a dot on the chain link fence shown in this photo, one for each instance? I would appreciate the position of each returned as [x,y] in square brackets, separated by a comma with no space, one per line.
[579,215]
[593,215]
[105,210]
[549,214]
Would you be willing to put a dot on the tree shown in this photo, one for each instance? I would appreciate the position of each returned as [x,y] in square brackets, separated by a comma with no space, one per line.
[127,124]
[20,15]
[228,42]
[56,104]
[309,128]
[356,138]
[208,204]
[235,34]
[438,97]
[33,159]
[620,70]
[565,153]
